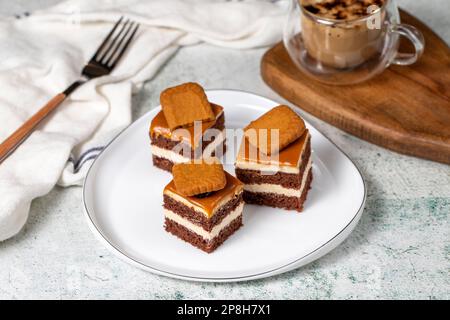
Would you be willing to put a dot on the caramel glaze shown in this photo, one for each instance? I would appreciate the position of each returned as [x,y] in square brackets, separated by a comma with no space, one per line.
[159,127]
[288,157]
[212,202]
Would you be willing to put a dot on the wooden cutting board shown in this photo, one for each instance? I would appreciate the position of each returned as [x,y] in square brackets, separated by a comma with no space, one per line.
[405,109]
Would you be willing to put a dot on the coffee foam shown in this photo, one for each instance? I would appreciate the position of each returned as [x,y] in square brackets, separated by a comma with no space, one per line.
[340,9]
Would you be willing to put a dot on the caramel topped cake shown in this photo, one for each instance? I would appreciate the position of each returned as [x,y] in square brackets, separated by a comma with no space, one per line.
[190,133]
[280,179]
[203,206]
[287,160]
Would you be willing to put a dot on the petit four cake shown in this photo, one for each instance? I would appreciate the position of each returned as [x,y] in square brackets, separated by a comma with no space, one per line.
[188,127]
[276,173]
[203,204]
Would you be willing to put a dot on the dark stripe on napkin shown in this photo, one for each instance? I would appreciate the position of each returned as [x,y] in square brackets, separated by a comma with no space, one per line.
[89,154]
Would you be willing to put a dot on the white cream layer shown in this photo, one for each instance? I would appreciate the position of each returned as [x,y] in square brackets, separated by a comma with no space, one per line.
[265,168]
[278,189]
[177,158]
[168,154]
[199,230]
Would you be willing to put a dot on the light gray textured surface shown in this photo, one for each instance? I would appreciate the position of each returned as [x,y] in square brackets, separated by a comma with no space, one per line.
[400,249]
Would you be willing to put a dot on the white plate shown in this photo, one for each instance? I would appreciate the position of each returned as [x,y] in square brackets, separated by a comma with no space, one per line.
[123,201]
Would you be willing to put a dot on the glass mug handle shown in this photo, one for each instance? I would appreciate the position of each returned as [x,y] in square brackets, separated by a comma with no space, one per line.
[416,38]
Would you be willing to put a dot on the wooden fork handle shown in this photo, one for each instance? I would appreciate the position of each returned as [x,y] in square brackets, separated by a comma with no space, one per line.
[15,139]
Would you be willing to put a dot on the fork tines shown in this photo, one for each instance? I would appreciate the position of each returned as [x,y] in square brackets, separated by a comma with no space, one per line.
[115,44]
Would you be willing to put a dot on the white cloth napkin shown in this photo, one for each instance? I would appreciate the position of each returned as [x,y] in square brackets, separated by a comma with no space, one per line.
[43,52]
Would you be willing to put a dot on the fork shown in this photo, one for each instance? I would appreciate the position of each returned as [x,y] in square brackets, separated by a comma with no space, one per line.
[102,63]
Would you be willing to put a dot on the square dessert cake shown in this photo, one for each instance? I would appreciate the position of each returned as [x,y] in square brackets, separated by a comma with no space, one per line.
[188,127]
[203,204]
[282,178]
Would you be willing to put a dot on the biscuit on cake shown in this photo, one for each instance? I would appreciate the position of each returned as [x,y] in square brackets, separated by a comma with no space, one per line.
[184,104]
[282,118]
[199,176]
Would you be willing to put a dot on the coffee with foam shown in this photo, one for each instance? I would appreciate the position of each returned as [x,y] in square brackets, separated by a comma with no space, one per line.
[347,38]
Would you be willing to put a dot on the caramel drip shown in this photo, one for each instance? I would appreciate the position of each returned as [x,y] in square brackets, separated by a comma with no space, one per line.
[159,127]
[288,157]
[210,203]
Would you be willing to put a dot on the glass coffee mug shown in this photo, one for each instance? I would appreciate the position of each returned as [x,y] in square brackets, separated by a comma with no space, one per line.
[348,51]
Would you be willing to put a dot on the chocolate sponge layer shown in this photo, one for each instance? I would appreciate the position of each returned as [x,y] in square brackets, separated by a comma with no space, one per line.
[199,242]
[287,180]
[278,200]
[162,163]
